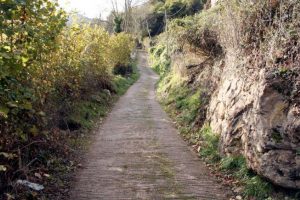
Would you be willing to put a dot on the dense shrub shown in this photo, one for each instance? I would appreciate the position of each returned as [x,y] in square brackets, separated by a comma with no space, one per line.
[45,68]
[121,46]
[173,9]
[271,33]
[198,33]
[123,69]
[160,59]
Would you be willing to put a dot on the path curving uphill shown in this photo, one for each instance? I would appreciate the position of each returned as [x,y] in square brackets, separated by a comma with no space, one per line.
[138,154]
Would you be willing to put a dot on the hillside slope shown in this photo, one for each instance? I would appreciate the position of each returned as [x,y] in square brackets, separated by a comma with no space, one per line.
[234,67]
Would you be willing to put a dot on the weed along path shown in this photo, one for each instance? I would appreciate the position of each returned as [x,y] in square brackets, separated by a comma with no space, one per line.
[138,154]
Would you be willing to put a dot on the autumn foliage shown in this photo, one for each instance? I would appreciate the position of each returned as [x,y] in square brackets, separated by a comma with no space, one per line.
[45,66]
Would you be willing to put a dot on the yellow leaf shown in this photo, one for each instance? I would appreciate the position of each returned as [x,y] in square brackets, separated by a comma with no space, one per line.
[27,106]
[34,131]
[4,111]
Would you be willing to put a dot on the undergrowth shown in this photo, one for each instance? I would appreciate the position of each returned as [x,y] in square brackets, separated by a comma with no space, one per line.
[254,186]
[60,156]
[209,145]
[85,111]
[88,113]
[161,60]
[122,83]
[53,77]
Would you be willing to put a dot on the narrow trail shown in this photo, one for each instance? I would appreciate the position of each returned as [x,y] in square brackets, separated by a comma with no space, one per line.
[138,154]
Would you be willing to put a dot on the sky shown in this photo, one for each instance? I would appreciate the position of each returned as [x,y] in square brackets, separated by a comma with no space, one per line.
[92,8]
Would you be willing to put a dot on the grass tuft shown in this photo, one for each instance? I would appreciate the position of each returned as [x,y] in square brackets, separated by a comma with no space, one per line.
[85,111]
[257,187]
[254,186]
[209,148]
[233,163]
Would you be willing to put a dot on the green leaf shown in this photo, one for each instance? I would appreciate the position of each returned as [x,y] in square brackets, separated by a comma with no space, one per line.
[4,111]
[7,48]
[5,55]
[24,60]
[34,131]
[27,106]
[23,136]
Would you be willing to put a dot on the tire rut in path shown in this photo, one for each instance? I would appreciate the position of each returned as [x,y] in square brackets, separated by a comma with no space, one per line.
[138,154]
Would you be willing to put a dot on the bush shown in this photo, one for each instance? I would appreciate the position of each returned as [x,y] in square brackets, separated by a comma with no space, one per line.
[81,64]
[198,33]
[122,70]
[161,62]
[120,49]
[46,68]
[174,9]
[256,187]
[119,52]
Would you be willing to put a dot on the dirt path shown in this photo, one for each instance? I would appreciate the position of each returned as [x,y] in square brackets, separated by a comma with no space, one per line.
[138,154]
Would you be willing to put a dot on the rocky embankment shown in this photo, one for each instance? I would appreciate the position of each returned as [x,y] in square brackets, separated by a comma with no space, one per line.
[243,59]
[257,114]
